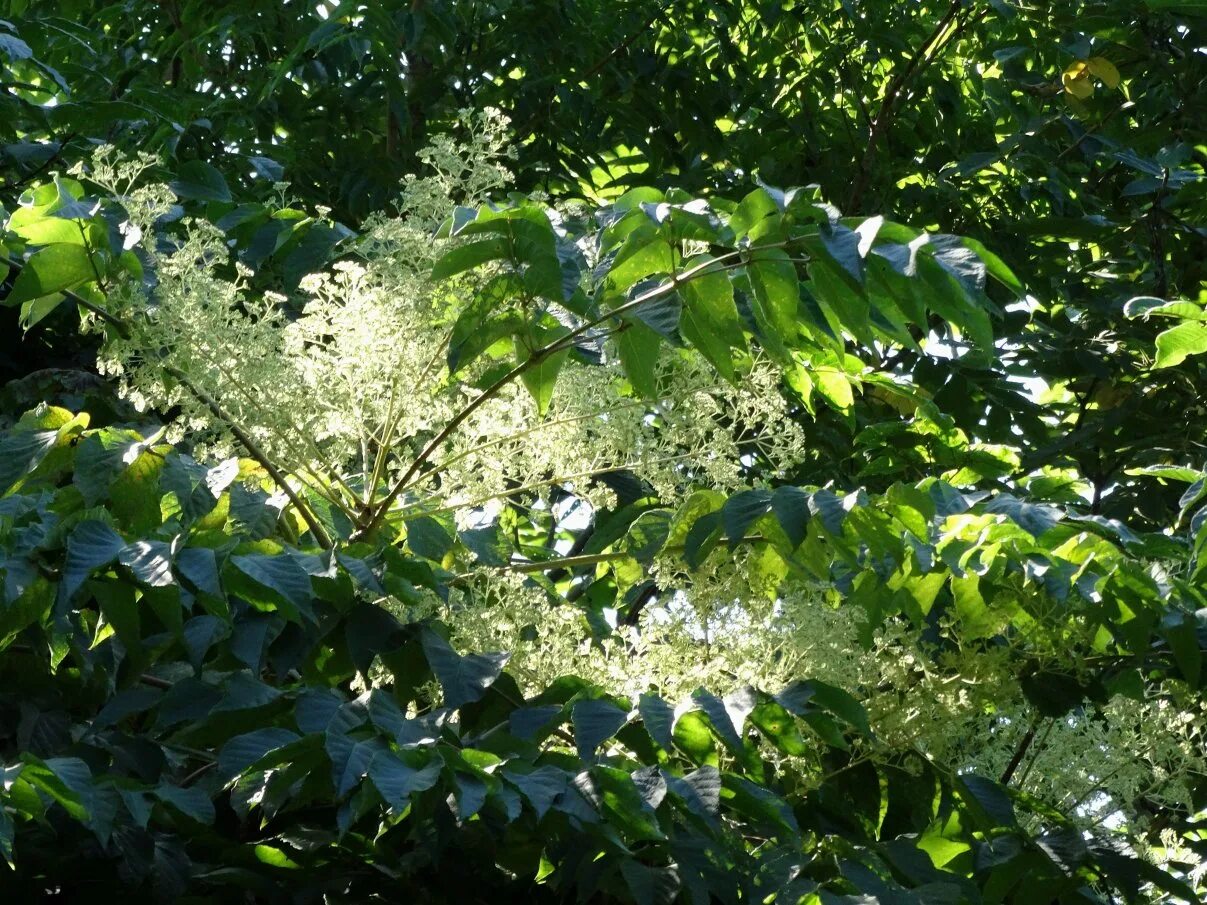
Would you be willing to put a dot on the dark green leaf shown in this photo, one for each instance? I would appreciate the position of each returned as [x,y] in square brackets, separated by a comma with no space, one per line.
[246,751]
[197,180]
[398,781]
[741,511]
[464,679]
[595,721]
[90,546]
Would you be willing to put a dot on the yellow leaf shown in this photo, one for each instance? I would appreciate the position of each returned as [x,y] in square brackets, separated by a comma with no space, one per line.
[1076,80]
[1104,70]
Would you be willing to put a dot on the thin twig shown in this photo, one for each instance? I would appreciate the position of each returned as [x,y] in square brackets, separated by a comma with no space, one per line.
[200,771]
[41,168]
[122,328]
[622,46]
[887,104]
[254,450]
[1020,752]
[590,559]
[1022,780]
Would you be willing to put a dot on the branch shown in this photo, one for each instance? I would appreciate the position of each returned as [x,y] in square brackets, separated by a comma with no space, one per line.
[1017,758]
[885,113]
[590,559]
[255,452]
[622,46]
[1126,105]
[633,612]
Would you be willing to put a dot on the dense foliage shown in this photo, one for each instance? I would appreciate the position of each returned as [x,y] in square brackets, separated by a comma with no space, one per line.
[439,461]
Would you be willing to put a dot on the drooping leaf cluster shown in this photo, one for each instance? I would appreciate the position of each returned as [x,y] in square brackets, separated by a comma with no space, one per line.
[178,716]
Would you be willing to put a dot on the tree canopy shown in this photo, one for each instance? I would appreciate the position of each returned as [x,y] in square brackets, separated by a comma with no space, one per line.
[630,452]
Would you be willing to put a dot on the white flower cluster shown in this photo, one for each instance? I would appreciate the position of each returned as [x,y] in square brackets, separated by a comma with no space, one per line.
[698,433]
[347,392]
[734,623]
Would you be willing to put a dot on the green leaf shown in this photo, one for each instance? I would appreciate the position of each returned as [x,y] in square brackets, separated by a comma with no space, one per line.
[470,255]
[658,717]
[1146,306]
[742,510]
[645,252]
[709,319]
[779,727]
[722,718]
[623,803]
[638,347]
[791,508]
[149,561]
[776,291]
[1033,518]
[702,538]
[649,885]
[67,780]
[37,310]
[199,566]
[700,791]
[120,607]
[464,679]
[531,246]
[193,801]
[846,308]
[484,321]
[991,801]
[281,576]
[977,617]
[100,457]
[397,780]
[595,721]
[755,207]
[758,803]
[541,377]
[661,314]
[1176,344]
[427,538]
[7,835]
[541,787]
[91,545]
[694,737]
[197,180]
[1181,631]
[274,857]
[835,387]
[245,751]
[51,269]
[995,267]
[350,758]
[801,697]
[21,452]
[243,691]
